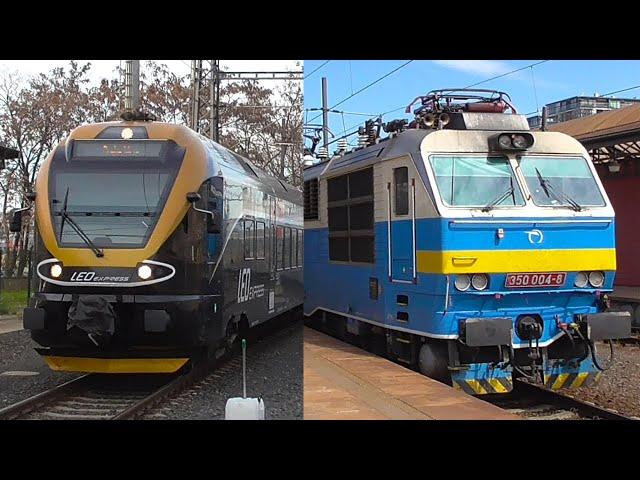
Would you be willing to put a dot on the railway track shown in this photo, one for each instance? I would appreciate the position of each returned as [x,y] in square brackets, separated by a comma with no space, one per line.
[124,397]
[535,402]
[103,397]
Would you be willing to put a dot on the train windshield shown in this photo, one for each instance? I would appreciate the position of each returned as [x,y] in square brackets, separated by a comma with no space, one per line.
[113,190]
[471,181]
[561,181]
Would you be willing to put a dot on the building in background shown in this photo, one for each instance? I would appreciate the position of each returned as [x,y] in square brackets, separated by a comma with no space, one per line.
[577,107]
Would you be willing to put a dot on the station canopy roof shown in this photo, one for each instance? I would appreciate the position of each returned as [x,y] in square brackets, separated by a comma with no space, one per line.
[608,136]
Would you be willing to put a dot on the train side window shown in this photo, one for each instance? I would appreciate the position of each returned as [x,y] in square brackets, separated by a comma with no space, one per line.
[401,189]
[272,247]
[287,248]
[351,217]
[279,248]
[294,247]
[249,239]
[260,240]
[300,249]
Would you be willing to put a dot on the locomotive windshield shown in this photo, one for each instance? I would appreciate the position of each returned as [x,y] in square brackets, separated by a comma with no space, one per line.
[561,181]
[113,190]
[470,181]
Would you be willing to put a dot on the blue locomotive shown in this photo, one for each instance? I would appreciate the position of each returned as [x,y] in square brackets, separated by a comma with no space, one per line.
[465,245]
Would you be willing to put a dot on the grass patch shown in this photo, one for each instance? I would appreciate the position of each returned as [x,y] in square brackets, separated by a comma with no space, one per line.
[12,302]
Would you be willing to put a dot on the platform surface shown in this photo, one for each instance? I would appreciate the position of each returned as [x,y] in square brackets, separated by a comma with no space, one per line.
[343,382]
[10,323]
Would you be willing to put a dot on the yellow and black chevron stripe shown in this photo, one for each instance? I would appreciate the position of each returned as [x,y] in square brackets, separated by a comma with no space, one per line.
[483,386]
[570,380]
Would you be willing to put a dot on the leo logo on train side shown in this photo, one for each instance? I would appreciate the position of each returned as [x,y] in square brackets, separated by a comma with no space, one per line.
[247,292]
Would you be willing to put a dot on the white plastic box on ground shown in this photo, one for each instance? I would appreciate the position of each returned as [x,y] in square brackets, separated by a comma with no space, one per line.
[244,409]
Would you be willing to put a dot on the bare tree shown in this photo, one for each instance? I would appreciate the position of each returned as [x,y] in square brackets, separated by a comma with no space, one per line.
[260,123]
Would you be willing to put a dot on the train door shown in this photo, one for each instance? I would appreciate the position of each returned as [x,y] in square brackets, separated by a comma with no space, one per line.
[401,226]
[214,199]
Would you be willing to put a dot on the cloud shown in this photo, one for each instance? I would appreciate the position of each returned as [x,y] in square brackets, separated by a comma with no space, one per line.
[476,67]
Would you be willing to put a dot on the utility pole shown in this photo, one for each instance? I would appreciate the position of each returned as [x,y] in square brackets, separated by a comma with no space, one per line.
[205,100]
[283,150]
[215,96]
[132,85]
[206,79]
[325,115]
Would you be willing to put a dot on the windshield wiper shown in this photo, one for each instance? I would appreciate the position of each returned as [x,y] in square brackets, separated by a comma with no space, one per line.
[492,204]
[548,188]
[65,217]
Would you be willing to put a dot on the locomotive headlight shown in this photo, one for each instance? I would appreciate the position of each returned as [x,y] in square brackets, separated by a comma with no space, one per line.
[462,282]
[504,141]
[56,270]
[479,281]
[520,142]
[582,279]
[144,272]
[596,279]
[126,133]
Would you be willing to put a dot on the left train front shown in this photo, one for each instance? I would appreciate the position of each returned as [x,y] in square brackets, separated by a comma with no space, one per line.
[118,284]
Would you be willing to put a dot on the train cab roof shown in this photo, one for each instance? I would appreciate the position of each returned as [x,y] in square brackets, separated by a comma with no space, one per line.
[470,110]
[221,161]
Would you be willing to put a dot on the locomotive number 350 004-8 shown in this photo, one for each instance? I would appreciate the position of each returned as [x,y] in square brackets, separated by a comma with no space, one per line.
[555,279]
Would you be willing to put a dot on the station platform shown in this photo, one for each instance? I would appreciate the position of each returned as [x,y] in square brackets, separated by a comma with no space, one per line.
[343,382]
[10,323]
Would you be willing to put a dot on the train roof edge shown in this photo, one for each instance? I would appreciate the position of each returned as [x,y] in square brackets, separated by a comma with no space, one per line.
[283,189]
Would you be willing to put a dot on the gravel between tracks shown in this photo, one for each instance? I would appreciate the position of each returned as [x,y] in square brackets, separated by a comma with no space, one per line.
[618,387]
[274,372]
[18,360]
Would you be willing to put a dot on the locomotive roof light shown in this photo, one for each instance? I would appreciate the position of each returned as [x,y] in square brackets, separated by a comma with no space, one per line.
[520,142]
[504,141]
[511,141]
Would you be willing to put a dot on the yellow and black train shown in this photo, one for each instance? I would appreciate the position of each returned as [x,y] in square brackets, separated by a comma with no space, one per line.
[155,245]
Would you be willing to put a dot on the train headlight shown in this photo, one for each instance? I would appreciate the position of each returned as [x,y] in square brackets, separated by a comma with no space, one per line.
[462,282]
[520,142]
[126,133]
[479,281]
[511,141]
[144,272]
[504,141]
[596,279]
[56,270]
[582,279]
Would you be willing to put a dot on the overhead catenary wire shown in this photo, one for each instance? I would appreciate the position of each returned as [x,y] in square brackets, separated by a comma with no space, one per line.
[468,86]
[316,69]
[369,85]
[620,91]
[352,132]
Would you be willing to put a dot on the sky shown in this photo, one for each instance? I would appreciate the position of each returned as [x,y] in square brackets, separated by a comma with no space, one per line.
[530,88]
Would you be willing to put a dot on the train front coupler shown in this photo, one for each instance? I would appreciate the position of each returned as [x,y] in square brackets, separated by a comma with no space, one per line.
[479,362]
[582,366]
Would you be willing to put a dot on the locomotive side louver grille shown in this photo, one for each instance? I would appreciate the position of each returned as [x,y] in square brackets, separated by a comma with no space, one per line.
[311,199]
